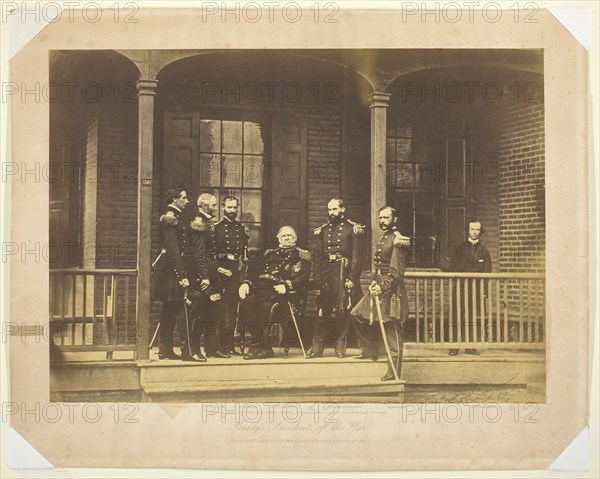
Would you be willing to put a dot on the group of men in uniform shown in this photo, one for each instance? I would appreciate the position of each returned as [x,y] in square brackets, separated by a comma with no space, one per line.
[206,289]
[199,277]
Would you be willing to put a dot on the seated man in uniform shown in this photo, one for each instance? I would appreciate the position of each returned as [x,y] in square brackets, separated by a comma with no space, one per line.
[281,286]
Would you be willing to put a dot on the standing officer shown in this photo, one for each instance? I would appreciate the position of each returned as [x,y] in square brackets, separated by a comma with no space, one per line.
[337,273]
[173,279]
[231,242]
[388,288]
[474,258]
[207,309]
[281,287]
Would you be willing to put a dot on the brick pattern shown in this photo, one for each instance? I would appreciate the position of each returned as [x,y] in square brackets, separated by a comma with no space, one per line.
[485,195]
[117,191]
[521,188]
[324,166]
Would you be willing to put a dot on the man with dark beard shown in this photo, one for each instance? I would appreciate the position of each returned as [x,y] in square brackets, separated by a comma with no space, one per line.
[231,242]
[387,288]
[337,273]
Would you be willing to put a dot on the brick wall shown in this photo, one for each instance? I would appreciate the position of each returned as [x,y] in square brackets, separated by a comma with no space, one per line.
[485,193]
[117,191]
[521,188]
[324,158]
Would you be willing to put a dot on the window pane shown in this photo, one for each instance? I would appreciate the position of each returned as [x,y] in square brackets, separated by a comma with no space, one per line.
[390,149]
[253,142]
[404,131]
[404,149]
[253,171]
[405,175]
[232,137]
[405,210]
[424,224]
[251,206]
[232,170]
[425,250]
[424,201]
[210,170]
[390,175]
[255,240]
[210,136]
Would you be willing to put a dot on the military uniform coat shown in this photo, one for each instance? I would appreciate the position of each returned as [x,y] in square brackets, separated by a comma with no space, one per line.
[338,247]
[177,263]
[389,275]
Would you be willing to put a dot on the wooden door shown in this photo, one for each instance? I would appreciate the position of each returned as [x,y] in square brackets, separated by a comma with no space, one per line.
[456,195]
[289,176]
[180,165]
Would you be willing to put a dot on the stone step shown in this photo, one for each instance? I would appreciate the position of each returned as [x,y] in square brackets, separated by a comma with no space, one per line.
[274,369]
[357,389]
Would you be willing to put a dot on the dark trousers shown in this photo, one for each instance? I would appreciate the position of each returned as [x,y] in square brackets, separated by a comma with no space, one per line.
[330,326]
[369,338]
[173,313]
[230,309]
[211,321]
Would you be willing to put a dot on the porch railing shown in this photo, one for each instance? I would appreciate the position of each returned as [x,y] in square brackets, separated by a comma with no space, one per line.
[471,310]
[93,310]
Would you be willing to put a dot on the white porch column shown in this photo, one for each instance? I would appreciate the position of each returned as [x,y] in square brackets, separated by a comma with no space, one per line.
[146,91]
[379,103]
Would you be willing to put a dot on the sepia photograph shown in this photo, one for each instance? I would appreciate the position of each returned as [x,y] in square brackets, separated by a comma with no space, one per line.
[311,236]
[352,225]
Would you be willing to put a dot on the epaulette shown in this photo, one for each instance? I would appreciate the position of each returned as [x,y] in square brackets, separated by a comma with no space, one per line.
[199,224]
[247,231]
[269,252]
[317,231]
[399,238]
[357,228]
[304,254]
[169,219]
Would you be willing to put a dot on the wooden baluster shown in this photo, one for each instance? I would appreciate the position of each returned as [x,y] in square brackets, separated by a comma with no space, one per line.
[115,318]
[433,308]
[482,310]
[442,307]
[505,301]
[473,291]
[459,336]
[425,310]
[451,318]
[73,307]
[126,308]
[466,314]
[498,313]
[417,308]
[84,307]
[62,309]
[543,325]
[529,313]
[104,308]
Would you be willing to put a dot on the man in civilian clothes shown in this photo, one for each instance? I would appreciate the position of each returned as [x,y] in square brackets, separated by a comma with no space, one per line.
[337,274]
[387,286]
[173,279]
[231,242]
[474,258]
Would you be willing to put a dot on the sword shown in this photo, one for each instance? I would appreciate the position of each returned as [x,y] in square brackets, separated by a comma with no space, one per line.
[297,328]
[385,341]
